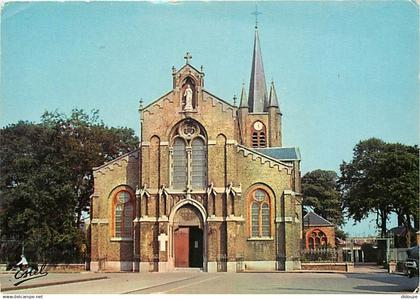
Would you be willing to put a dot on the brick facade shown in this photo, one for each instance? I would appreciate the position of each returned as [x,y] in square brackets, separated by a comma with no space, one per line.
[220,209]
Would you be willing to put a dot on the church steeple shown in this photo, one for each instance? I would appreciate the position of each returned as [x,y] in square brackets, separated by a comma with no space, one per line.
[257,100]
[259,114]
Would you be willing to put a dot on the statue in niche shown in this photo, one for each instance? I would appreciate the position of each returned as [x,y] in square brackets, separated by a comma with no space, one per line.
[188,94]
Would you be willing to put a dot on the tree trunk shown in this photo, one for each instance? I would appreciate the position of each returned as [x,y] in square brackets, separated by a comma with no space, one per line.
[400,218]
[409,229]
[383,223]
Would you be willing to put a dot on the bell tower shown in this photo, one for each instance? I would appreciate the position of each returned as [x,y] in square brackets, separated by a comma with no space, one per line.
[259,113]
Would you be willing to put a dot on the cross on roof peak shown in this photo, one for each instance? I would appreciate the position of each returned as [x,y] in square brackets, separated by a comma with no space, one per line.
[187,57]
[256,13]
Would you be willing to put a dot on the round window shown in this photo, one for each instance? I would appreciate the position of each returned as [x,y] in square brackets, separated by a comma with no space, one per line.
[259,195]
[123,197]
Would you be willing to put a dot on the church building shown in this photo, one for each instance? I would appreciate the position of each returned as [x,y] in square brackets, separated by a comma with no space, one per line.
[209,187]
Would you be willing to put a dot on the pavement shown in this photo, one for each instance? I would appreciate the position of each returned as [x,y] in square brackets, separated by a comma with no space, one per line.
[8,281]
[365,280]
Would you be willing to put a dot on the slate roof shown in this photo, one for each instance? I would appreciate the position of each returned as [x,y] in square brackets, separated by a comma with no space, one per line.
[257,97]
[313,219]
[272,100]
[281,153]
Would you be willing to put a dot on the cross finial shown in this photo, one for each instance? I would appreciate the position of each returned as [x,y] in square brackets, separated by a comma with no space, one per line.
[256,13]
[141,104]
[234,100]
[187,57]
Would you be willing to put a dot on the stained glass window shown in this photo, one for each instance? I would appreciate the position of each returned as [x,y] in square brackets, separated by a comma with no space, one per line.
[265,220]
[179,160]
[255,219]
[123,220]
[198,164]
[123,197]
[259,195]
[260,214]
[128,219]
[189,157]
[118,219]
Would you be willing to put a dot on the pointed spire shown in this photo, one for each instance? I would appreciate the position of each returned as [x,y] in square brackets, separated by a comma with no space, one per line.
[244,99]
[257,100]
[273,102]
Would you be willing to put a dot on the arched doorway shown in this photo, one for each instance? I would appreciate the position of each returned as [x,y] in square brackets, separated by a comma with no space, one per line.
[188,237]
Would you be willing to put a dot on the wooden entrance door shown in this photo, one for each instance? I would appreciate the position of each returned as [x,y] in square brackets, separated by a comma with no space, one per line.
[182,246]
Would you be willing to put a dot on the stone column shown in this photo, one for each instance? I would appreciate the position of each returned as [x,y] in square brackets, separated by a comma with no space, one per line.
[231,244]
[136,234]
[189,167]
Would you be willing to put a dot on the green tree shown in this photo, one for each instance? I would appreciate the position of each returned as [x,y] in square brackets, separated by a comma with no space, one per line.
[319,189]
[85,142]
[381,178]
[46,179]
[403,185]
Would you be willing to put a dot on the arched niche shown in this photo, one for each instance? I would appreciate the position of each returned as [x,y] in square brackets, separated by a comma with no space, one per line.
[188,94]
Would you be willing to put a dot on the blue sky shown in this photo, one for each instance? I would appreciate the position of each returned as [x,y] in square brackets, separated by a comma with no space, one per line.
[344,71]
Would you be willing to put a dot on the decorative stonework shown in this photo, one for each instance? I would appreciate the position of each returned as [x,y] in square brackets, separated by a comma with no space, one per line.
[235,191]
[188,129]
[118,162]
[225,106]
[158,103]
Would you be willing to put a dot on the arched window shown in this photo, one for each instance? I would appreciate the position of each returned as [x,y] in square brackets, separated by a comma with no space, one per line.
[123,214]
[198,164]
[179,160]
[260,214]
[258,134]
[189,156]
[316,239]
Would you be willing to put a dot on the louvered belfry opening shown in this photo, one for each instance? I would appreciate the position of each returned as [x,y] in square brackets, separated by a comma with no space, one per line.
[258,137]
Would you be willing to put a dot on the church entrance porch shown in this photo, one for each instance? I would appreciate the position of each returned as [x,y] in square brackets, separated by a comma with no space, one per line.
[187,236]
[188,247]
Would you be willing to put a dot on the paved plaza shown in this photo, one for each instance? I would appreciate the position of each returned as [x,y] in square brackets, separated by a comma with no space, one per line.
[363,281]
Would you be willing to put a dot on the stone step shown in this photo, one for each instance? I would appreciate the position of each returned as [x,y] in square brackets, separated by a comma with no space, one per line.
[188,269]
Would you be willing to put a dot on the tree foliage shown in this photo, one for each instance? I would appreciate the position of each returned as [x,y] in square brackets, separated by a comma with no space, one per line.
[46,179]
[319,188]
[382,178]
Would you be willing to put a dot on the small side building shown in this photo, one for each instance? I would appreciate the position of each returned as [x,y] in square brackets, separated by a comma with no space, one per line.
[318,231]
